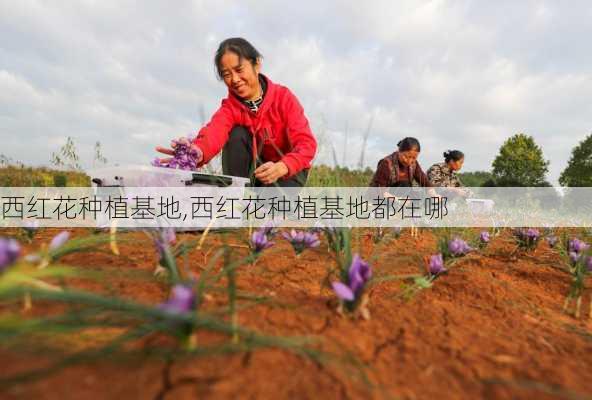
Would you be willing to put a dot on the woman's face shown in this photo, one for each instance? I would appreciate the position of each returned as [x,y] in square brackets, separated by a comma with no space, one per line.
[456,165]
[241,77]
[408,157]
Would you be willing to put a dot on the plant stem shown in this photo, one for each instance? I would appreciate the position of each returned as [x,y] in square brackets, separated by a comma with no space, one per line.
[231,275]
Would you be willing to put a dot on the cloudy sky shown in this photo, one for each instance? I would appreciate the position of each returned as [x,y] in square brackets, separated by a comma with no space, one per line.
[454,74]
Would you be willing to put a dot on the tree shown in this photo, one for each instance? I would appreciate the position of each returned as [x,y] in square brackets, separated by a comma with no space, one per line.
[475,178]
[520,162]
[578,172]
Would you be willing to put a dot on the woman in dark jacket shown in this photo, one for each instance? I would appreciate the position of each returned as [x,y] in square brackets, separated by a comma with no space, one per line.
[401,169]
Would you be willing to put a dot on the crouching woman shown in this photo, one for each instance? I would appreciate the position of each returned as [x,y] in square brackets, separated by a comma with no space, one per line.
[260,127]
[401,168]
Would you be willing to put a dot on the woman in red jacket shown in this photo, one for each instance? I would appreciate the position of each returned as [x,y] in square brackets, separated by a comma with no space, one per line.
[260,127]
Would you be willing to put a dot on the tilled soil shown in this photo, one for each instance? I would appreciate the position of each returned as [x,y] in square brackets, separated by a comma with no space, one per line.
[491,327]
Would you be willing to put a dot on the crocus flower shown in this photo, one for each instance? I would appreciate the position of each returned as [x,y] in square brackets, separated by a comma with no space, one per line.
[359,274]
[185,157]
[578,246]
[484,237]
[589,264]
[301,240]
[574,257]
[9,252]
[527,238]
[458,247]
[164,239]
[259,241]
[532,234]
[59,240]
[552,240]
[311,240]
[343,291]
[436,264]
[182,300]
[269,229]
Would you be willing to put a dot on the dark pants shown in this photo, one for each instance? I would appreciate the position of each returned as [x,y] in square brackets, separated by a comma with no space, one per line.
[237,160]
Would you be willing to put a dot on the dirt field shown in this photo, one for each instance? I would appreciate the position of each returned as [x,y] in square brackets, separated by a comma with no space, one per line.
[492,327]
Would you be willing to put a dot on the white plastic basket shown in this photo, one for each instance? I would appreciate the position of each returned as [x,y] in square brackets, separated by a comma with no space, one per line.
[116,179]
[148,176]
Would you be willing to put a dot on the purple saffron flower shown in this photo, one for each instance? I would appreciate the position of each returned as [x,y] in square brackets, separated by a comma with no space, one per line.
[185,156]
[269,229]
[578,246]
[311,240]
[436,264]
[552,240]
[182,300]
[359,274]
[484,237]
[301,240]
[293,235]
[458,247]
[527,238]
[9,252]
[574,256]
[164,239]
[259,241]
[532,234]
[589,263]
[343,291]
[59,240]
[168,235]
[454,246]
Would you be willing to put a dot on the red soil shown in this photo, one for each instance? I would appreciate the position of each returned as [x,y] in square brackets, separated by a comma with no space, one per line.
[492,327]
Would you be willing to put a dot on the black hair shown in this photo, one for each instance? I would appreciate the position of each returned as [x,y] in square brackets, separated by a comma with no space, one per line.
[239,46]
[409,143]
[453,155]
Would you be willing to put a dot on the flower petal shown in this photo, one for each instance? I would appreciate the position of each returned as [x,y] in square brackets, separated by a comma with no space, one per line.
[343,291]
[59,240]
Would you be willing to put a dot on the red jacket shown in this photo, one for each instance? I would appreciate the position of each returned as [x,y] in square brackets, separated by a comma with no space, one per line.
[279,123]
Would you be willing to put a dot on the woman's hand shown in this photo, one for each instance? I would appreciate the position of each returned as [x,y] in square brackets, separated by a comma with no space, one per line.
[270,172]
[171,151]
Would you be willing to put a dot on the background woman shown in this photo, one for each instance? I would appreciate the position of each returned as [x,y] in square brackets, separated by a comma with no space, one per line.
[401,169]
[445,174]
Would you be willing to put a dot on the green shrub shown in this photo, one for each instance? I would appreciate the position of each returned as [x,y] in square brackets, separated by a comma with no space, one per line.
[60,180]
